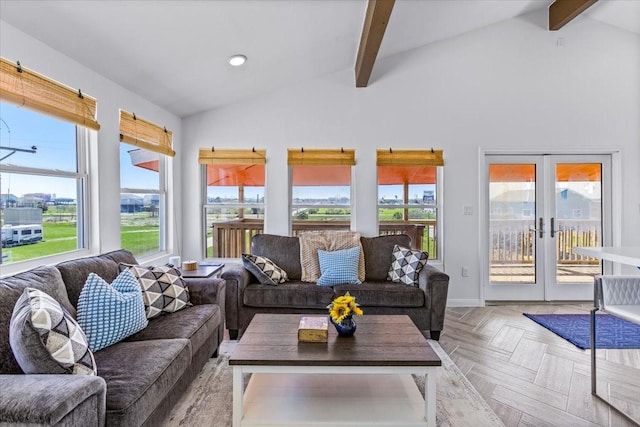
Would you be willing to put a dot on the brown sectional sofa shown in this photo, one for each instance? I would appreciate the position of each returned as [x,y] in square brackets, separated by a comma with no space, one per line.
[245,296]
[139,379]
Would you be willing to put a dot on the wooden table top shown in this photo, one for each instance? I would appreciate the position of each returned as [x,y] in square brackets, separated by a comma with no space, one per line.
[380,340]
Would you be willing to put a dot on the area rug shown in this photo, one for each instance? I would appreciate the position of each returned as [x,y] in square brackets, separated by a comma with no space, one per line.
[208,402]
[611,331]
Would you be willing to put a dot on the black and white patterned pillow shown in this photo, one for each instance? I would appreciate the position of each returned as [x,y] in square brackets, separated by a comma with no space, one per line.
[265,270]
[163,289]
[45,339]
[406,265]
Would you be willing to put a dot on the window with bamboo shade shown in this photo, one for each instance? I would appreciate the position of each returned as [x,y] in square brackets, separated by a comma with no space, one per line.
[144,134]
[320,188]
[24,87]
[234,206]
[408,191]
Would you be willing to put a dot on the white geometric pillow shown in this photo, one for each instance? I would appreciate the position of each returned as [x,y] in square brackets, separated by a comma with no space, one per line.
[45,339]
[265,270]
[406,265]
[163,289]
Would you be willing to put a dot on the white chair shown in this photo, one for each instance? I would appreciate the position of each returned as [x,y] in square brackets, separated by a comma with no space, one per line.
[619,296]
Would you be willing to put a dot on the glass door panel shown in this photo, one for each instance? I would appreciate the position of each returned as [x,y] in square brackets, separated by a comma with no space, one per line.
[577,211]
[514,228]
[512,214]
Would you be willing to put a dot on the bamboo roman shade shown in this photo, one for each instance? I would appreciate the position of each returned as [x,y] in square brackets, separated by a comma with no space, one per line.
[144,134]
[392,157]
[209,156]
[27,88]
[321,157]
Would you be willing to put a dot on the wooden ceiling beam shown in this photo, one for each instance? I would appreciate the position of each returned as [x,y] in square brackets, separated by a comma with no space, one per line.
[561,12]
[375,24]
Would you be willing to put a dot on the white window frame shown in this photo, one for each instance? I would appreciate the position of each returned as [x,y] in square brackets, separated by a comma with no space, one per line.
[83,198]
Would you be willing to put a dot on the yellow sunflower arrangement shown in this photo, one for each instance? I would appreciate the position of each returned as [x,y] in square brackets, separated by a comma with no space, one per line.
[344,306]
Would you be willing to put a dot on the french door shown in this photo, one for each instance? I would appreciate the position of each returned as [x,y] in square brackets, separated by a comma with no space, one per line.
[539,208]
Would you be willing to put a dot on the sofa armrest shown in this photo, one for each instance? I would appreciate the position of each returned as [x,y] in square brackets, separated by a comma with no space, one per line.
[435,285]
[237,277]
[206,290]
[52,399]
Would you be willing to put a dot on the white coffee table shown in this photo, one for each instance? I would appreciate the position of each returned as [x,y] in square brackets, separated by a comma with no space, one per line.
[361,380]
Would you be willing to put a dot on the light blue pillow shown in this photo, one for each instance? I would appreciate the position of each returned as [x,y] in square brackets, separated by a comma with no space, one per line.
[339,267]
[109,313]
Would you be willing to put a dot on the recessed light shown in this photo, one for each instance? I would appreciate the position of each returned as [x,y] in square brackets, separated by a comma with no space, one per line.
[237,60]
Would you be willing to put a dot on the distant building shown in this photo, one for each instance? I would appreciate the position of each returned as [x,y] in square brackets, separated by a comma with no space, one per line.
[520,204]
[22,216]
[131,203]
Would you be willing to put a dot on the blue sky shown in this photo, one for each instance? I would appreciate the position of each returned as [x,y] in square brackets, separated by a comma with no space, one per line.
[55,139]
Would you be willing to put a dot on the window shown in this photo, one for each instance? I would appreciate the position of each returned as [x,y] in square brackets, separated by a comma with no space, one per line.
[42,164]
[408,196]
[143,151]
[234,199]
[320,189]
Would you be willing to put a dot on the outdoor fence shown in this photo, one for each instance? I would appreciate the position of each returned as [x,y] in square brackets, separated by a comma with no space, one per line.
[513,241]
[229,239]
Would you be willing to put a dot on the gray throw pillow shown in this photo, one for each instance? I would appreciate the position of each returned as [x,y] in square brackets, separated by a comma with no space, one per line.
[265,270]
[45,339]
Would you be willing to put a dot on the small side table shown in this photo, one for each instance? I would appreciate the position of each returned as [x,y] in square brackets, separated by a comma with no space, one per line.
[203,271]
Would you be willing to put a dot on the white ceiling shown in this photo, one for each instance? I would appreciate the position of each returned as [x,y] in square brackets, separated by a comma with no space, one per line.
[174,53]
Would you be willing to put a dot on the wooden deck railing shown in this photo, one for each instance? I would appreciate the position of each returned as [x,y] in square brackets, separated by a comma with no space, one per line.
[229,239]
[512,242]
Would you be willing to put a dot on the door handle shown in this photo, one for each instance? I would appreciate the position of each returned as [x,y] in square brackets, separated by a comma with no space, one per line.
[540,228]
[553,227]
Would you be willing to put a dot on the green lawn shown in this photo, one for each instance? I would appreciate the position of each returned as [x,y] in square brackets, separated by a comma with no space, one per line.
[61,237]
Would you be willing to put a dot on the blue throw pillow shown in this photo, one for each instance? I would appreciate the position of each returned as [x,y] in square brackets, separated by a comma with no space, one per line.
[109,313]
[339,267]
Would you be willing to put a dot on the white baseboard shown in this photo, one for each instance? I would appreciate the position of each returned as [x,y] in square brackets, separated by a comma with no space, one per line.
[465,303]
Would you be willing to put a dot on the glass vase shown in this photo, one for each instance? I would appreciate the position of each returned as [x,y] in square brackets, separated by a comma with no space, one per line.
[347,327]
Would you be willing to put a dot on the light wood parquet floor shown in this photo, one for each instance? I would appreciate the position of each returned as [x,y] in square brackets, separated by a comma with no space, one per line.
[532,377]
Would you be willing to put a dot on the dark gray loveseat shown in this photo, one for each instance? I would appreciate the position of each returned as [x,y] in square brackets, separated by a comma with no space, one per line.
[245,296]
[139,379]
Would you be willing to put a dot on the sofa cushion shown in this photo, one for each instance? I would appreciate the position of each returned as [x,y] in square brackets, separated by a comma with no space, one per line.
[266,271]
[339,267]
[288,295]
[327,240]
[383,294]
[284,251]
[163,289]
[45,339]
[378,254]
[75,272]
[406,265]
[197,323]
[139,374]
[46,279]
[110,313]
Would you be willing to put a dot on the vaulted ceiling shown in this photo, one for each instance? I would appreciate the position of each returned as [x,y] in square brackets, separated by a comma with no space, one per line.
[174,53]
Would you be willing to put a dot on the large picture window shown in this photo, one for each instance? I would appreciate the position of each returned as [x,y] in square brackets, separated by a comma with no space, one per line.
[43,164]
[234,199]
[408,196]
[320,189]
[143,151]
[42,185]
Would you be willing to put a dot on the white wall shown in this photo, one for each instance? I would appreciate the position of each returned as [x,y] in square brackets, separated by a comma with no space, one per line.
[33,54]
[509,86]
